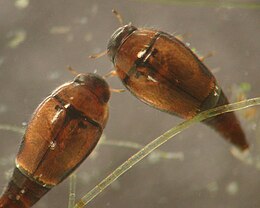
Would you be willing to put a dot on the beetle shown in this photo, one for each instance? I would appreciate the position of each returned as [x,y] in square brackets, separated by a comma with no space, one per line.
[62,132]
[163,72]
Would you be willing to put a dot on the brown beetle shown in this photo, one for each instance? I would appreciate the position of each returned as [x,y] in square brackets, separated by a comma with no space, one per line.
[164,73]
[63,131]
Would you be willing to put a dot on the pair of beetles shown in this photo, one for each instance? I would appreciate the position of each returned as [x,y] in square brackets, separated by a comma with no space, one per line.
[156,67]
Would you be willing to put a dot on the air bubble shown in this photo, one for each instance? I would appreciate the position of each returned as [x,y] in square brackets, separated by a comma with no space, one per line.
[151,79]
[67,105]
[141,53]
[216,93]
[52,145]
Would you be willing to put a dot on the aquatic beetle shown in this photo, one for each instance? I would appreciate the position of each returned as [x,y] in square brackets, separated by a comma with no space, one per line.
[63,131]
[164,73]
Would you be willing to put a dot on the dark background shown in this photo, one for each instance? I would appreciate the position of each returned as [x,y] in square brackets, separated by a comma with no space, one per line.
[54,34]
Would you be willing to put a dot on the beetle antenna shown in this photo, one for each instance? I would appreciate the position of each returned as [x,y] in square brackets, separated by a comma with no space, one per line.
[118,16]
[116,90]
[112,73]
[98,55]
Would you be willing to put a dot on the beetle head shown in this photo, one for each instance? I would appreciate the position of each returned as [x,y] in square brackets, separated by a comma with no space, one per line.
[117,38]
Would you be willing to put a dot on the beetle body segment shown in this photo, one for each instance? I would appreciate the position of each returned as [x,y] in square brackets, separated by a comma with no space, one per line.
[63,131]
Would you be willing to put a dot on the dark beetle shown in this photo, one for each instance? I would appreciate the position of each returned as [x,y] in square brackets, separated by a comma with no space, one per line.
[164,73]
[63,131]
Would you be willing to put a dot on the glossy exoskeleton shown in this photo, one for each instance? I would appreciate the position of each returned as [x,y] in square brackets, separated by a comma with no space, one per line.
[63,131]
[164,73]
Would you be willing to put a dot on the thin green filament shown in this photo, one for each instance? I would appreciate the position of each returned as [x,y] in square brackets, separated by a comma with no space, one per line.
[158,142]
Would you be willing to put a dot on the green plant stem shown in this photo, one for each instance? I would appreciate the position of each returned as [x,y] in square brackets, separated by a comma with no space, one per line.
[158,142]
[134,145]
[72,191]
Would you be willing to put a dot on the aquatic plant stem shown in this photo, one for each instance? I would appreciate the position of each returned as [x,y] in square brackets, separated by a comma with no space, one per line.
[72,190]
[158,142]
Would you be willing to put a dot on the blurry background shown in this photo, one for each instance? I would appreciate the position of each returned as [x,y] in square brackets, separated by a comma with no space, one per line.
[39,39]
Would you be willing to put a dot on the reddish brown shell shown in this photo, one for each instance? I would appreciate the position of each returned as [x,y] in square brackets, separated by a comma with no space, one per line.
[163,72]
[63,131]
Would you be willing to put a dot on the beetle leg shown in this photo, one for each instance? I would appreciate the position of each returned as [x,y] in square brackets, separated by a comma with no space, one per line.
[116,90]
[110,74]
[72,70]
[98,55]
[202,58]
[181,37]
